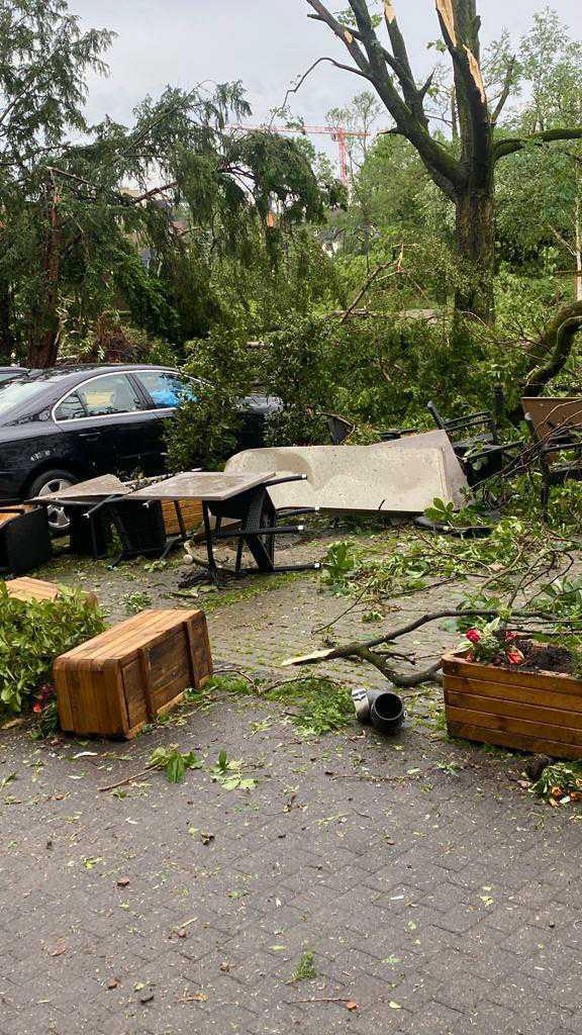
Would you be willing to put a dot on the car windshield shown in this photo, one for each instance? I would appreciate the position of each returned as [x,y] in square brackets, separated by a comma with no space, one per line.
[19,392]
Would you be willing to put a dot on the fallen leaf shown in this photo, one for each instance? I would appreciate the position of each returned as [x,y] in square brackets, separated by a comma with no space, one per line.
[90,863]
[394,1005]
[351,1004]
[60,947]
[112,983]
[197,997]
[206,837]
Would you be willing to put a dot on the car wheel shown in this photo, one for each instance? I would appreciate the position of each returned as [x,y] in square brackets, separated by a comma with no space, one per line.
[46,483]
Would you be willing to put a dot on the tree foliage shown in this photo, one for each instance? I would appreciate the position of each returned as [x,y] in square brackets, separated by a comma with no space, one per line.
[463,167]
[78,242]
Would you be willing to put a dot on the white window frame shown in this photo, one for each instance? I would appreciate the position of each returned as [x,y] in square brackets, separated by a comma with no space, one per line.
[98,416]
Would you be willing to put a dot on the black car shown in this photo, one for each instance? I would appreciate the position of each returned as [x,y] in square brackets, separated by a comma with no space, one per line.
[64,425]
[8,373]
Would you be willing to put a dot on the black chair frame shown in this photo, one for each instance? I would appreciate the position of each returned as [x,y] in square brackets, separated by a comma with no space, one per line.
[549,449]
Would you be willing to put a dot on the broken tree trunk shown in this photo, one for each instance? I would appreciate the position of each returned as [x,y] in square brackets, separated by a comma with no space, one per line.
[555,346]
[475,226]
[464,173]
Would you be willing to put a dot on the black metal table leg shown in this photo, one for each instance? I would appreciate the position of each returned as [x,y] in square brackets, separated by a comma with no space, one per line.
[212,568]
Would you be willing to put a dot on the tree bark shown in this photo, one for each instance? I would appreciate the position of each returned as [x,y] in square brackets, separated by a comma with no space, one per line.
[43,343]
[475,232]
[555,346]
[557,342]
[7,341]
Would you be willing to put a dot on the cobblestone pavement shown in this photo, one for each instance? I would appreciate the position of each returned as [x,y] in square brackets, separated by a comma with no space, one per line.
[435,895]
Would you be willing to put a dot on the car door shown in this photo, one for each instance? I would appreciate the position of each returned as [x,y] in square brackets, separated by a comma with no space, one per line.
[107,416]
[165,390]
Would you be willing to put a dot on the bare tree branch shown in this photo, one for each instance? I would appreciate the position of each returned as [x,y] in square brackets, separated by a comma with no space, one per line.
[505,91]
[332,61]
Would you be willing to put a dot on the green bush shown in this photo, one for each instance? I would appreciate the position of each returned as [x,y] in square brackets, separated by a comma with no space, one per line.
[32,634]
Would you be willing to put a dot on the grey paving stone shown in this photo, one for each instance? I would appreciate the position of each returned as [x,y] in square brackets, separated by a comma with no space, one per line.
[387,881]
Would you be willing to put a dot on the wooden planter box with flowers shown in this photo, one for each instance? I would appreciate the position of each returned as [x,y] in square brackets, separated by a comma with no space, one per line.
[514,701]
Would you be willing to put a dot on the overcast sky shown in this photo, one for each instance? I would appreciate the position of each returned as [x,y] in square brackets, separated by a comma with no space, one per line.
[265,43]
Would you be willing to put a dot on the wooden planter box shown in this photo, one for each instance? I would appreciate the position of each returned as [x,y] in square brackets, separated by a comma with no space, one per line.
[527,711]
[191,515]
[115,683]
[26,588]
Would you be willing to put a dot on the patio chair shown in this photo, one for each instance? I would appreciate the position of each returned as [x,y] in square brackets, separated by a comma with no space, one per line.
[475,441]
[560,458]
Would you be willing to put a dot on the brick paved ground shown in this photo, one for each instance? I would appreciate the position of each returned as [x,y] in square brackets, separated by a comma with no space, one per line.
[431,889]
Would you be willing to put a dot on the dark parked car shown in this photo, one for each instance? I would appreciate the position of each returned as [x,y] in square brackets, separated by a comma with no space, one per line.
[63,425]
[7,373]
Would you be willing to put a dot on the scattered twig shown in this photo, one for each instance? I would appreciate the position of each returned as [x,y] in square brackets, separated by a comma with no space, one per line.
[320,999]
[130,779]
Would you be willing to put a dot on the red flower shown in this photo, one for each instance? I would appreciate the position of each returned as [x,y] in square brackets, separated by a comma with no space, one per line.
[37,706]
[510,636]
[473,635]
[514,656]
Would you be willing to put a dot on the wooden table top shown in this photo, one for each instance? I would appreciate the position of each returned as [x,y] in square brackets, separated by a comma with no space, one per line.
[203,485]
[93,489]
[197,485]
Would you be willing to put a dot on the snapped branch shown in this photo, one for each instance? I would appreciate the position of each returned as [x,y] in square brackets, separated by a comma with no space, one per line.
[510,145]
[392,79]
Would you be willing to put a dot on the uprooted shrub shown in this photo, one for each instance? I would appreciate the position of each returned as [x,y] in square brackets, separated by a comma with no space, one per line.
[32,634]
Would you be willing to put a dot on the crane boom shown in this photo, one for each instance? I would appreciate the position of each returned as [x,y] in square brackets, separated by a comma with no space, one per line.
[339,134]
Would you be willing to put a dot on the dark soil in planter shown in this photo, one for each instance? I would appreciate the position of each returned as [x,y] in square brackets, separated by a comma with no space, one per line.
[540,657]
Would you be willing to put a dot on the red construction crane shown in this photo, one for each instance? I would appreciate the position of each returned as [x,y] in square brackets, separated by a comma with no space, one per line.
[339,134]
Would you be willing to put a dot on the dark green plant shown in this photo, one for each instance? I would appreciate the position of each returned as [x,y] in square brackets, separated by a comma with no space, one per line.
[173,762]
[558,781]
[35,632]
[133,603]
[319,705]
[305,969]
[297,425]
[338,564]
[203,432]
[448,514]
[228,773]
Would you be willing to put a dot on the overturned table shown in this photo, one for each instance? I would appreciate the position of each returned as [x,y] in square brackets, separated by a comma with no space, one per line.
[241,498]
